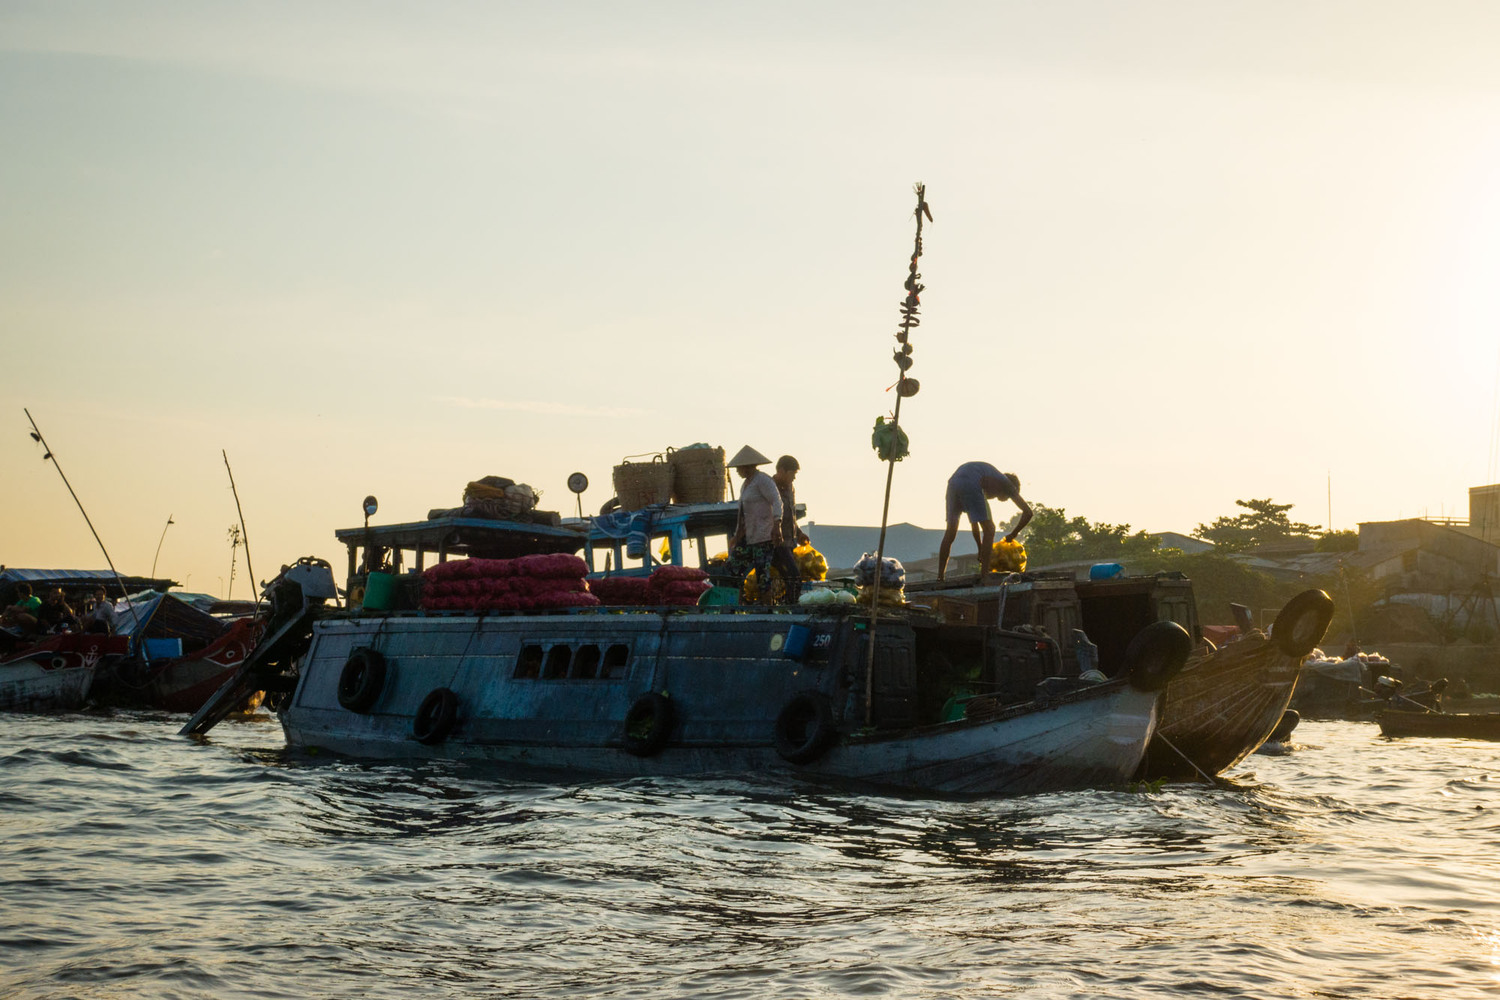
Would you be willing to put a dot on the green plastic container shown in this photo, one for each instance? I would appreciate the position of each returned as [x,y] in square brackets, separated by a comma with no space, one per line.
[719,597]
[380,592]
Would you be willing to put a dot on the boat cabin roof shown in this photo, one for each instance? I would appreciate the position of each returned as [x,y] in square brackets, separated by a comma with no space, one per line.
[475,537]
[677,524]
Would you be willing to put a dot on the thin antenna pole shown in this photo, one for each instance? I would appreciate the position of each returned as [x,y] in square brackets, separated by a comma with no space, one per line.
[163,538]
[244,535]
[36,434]
[904,387]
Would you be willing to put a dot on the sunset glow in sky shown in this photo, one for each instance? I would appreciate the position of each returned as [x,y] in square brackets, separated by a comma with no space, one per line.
[1183,253]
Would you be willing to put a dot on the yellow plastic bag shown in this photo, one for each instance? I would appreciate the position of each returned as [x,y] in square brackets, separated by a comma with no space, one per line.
[750,587]
[810,562]
[1008,557]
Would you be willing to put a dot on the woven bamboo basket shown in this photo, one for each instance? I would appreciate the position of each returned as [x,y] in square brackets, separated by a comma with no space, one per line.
[697,474]
[640,484]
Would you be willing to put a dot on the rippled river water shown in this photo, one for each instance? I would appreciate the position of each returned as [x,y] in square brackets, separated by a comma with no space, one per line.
[139,864]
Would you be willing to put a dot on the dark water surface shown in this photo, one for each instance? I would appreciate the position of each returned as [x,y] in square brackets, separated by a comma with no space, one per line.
[139,864]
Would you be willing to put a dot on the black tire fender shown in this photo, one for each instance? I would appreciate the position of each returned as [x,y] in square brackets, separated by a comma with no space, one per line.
[1284,727]
[805,728]
[647,724]
[1301,624]
[435,716]
[362,679]
[1156,654]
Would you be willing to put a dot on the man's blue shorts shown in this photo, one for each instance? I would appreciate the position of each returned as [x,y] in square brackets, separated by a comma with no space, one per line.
[967,498]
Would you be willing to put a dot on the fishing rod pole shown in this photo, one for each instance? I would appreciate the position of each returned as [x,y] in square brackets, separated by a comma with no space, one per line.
[244,535]
[48,456]
[895,450]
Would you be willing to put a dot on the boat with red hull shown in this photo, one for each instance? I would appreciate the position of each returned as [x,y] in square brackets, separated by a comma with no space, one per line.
[55,673]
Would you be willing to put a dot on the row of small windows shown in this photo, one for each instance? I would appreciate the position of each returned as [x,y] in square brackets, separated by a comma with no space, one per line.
[563,662]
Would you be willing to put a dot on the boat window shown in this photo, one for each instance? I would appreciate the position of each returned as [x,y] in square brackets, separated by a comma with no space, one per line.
[616,658]
[558,658]
[585,663]
[529,663]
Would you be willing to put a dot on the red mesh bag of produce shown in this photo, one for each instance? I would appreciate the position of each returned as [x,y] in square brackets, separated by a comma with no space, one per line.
[550,566]
[671,573]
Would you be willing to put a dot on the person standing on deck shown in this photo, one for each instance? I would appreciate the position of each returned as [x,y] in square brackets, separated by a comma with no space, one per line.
[759,524]
[784,560]
[970,489]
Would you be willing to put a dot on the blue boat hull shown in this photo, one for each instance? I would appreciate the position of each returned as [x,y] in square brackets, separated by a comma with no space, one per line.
[553,692]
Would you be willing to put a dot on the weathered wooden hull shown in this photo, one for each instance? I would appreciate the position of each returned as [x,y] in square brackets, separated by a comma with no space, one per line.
[728,679]
[1220,708]
[1482,726]
[56,674]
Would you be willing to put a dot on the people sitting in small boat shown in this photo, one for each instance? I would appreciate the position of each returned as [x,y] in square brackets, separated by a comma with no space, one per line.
[55,615]
[759,526]
[100,617]
[970,489]
[21,616]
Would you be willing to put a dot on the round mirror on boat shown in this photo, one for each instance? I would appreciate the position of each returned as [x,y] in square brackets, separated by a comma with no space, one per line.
[578,482]
[371,505]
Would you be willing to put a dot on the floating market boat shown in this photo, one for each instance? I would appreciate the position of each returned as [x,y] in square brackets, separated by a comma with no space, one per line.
[501,652]
[56,672]
[1357,687]
[179,655]
[1457,725]
[1222,705]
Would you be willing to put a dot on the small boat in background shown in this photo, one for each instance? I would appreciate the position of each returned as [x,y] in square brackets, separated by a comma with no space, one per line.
[55,673]
[1454,725]
[180,654]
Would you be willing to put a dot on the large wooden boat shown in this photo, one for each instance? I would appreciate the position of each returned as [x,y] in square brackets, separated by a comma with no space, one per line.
[1457,725]
[1227,702]
[830,692]
[1222,705]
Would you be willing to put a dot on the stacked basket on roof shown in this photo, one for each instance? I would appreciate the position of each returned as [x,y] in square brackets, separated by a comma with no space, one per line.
[694,474]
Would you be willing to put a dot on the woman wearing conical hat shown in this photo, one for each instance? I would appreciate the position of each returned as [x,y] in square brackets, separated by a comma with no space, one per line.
[759,525]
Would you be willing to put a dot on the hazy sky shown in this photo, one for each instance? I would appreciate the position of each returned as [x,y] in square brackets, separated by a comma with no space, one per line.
[1184,253]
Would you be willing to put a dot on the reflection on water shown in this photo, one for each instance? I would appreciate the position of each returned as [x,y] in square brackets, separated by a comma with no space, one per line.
[140,864]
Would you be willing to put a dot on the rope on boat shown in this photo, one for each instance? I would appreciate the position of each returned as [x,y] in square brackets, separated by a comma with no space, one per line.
[1189,760]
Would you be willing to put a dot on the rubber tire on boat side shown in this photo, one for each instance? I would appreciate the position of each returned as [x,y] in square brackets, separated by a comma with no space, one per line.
[805,728]
[647,724]
[1301,624]
[362,680]
[435,716]
[1156,654]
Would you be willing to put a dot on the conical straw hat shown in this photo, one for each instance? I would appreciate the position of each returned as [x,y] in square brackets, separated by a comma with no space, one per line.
[748,456]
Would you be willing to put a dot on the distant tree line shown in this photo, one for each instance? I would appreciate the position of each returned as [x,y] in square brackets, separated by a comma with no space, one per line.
[1053,537]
